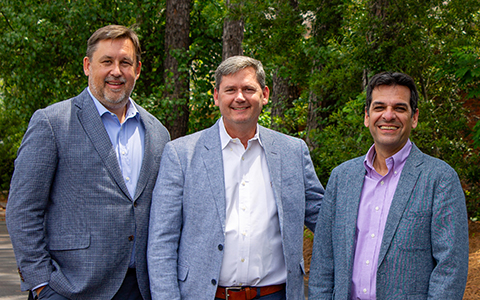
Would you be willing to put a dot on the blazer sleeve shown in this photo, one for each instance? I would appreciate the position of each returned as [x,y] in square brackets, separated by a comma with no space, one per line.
[449,236]
[165,227]
[321,279]
[313,190]
[29,193]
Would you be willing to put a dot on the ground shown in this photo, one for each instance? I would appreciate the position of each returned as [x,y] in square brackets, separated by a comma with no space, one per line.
[472,291]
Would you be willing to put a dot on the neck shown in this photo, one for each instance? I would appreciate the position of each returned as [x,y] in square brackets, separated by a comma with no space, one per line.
[244,134]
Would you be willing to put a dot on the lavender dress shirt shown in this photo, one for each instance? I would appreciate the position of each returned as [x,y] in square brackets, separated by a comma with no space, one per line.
[375,201]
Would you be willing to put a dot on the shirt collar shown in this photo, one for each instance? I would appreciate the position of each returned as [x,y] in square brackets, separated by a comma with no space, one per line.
[393,161]
[225,138]
[132,110]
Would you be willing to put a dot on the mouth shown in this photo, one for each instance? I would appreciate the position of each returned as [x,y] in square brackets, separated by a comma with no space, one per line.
[115,84]
[388,127]
[239,108]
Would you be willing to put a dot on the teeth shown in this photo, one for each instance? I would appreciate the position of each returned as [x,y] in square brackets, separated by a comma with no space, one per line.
[239,108]
[388,127]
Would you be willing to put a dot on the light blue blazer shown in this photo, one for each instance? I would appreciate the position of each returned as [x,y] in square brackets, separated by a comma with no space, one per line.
[424,250]
[69,213]
[187,220]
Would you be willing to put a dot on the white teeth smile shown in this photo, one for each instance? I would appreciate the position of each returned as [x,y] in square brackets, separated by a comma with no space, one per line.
[388,127]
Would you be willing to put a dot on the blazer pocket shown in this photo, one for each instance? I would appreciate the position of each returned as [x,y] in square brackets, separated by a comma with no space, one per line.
[69,242]
[182,272]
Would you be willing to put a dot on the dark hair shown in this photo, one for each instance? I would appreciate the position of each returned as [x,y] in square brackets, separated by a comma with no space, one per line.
[234,64]
[393,78]
[112,32]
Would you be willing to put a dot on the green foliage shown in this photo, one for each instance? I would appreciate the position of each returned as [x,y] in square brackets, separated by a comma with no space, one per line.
[344,138]
[326,48]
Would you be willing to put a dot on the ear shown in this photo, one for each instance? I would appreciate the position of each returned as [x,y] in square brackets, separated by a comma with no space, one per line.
[86,65]
[138,70]
[266,94]
[367,118]
[415,119]
[215,96]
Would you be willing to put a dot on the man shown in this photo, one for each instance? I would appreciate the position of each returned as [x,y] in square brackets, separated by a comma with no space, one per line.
[393,224]
[231,201]
[81,191]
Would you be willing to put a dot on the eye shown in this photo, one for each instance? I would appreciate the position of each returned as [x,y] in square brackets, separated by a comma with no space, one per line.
[401,108]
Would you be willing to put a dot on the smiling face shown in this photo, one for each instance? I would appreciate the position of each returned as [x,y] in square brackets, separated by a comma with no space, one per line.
[390,118]
[112,71]
[240,99]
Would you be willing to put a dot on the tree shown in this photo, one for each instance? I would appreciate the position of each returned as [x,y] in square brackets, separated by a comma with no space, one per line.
[177,32]
[233,30]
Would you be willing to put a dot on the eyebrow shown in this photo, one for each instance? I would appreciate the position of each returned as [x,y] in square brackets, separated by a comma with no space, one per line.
[395,104]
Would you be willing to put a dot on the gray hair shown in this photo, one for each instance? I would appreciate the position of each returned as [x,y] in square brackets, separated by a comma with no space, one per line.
[234,64]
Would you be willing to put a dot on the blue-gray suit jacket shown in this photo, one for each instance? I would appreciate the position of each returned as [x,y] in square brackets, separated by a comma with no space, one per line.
[69,213]
[187,220]
[424,250]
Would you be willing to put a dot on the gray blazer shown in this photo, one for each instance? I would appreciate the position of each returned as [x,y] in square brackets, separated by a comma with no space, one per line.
[187,220]
[424,250]
[69,213]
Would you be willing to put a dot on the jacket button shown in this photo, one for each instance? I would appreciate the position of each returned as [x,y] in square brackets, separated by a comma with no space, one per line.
[214,282]
[220,247]
[130,238]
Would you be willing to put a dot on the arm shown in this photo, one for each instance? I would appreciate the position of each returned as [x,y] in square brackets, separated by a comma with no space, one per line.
[165,227]
[313,190]
[28,199]
[321,280]
[449,234]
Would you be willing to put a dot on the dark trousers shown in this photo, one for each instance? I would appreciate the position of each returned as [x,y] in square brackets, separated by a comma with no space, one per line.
[129,290]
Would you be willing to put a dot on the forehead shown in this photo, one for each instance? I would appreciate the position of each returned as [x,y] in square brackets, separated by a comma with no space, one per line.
[243,77]
[391,94]
[115,47]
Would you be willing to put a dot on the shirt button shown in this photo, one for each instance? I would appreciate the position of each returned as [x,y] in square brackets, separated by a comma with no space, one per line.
[214,282]
[395,172]
[243,183]
[373,235]
[364,291]
[382,182]
[242,260]
[127,179]
[367,262]
[377,208]
[243,158]
[130,238]
[123,152]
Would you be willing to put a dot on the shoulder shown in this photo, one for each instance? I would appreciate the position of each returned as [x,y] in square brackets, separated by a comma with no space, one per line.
[349,164]
[428,163]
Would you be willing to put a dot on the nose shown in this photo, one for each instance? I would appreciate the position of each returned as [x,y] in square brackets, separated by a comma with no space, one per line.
[239,96]
[116,70]
[389,114]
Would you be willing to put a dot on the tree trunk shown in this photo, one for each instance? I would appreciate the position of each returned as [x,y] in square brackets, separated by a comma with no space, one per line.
[233,28]
[177,29]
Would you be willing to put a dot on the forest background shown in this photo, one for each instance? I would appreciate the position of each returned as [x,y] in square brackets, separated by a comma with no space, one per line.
[318,55]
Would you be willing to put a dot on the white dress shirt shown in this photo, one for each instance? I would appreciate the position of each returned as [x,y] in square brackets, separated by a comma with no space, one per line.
[253,252]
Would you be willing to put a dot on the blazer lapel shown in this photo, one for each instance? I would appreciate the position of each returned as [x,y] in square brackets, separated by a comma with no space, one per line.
[351,193]
[148,162]
[405,187]
[274,163]
[211,152]
[93,126]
